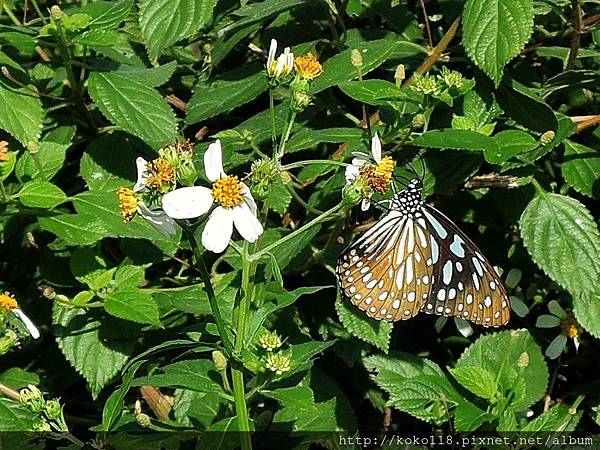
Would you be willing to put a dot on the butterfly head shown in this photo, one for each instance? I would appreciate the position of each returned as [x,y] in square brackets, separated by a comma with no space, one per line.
[409,201]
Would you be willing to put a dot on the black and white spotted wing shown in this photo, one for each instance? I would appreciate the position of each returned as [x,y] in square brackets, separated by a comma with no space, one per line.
[415,259]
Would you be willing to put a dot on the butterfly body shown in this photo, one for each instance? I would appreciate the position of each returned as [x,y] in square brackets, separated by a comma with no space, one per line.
[415,259]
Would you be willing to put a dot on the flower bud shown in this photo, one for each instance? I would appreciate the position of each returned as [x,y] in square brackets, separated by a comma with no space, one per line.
[418,121]
[40,425]
[547,137]
[186,172]
[143,420]
[53,409]
[8,341]
[219,360]
[300,100]
[356,58]
[270,341]
[33,398]
[278,363]
[399,75]
[56,12]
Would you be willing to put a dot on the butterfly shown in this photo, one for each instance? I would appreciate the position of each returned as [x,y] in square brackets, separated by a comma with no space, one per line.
[416,259]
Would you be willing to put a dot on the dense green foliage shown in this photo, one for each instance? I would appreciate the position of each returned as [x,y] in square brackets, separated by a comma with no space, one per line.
[142,327]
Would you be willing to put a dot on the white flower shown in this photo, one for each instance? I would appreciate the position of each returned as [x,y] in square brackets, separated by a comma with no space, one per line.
[361,159]
[235,204]
[283,65]
[156,216]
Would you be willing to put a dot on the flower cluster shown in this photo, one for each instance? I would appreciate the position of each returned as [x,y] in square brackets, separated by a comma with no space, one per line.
[275,361]
[446,86]
[49,412]
[369,174]
[9,305]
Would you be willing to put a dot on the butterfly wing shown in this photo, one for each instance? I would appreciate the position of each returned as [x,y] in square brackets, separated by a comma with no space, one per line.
[384,272]
[464,283]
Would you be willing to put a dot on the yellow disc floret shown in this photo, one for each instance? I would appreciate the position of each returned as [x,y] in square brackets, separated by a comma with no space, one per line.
[160,173]
[385,168]
[378,176]
[308,67]
[8,302]
[228,192]
[127,203]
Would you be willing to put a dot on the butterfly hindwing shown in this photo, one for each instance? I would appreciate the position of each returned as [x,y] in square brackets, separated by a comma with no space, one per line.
[465,283]
[382,274]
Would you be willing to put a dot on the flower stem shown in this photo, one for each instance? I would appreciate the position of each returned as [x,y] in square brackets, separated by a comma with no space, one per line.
[330,162]
[286,135]
[212,299]
[237,374]
[265,251]
[273,125]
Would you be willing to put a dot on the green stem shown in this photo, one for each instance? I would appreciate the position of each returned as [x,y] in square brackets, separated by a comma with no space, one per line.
[330,162]
[237,374]
[3,191]
[10,14]
[212,299]
[538,187]
[301,201]
[273,124]
[39,11]
[264,252]
[286,135]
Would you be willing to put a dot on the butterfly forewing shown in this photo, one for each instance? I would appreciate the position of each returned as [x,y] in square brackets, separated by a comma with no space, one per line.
[465,283]
[416,259]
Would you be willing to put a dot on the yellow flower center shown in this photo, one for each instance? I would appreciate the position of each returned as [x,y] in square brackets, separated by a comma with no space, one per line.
[569,327]
[127,203]
[308,67]
[160,173]
[378,176]
[3,151]
[8,302]
[228,192]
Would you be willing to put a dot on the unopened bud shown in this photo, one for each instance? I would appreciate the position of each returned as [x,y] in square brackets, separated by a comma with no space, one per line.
[32,147]
[219,360]
[356,58]
[418,121]
[143,420]
[547,137]
[399,75]
[56,12]
[53,409]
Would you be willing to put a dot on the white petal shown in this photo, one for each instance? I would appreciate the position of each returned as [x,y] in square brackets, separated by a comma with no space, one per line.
[142,170]
[33,331]
[246,223]
[272,51]
[358,162]
[187,202]
[365,204]
[351,173]
[213,161]
[280,65]
[218,230]
[159,219]
[376,148]
[249,199]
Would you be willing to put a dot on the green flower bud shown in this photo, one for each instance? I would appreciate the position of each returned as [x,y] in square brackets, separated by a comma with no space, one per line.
[40,425]
[143,420]
[278,363]
[53,409]
[352,194]
[399,75]
[170,154]
[8,341]
[33,398]
[547,137]
[300,100]
[270,341]
[356,58]
[56,12]
[219,360]
[186,172]
[418,121]
[425,84]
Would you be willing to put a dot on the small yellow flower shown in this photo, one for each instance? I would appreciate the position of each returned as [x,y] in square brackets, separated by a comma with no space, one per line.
[569,327]
[308,67]
[160,174]
[8,301]
[128,203]
[228,191]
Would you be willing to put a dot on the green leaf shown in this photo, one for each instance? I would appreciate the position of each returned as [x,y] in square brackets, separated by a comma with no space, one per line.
[14,417]
[230,90]
[560,418]
[74,229]
[196,408]
[154,76]
[563,240]
[581,168]
[113,408]
[525,108]
[107,14]
[377,92]
[477,380]
[133,106]
[339,68]
[41,194]
[133,304]
[17,378]
[255,12]
[495,31]
[165,22]
[468,417]
[509,143]
[376,332]
[97,38]
[587,311]
[7,166]
[456,139]
[196,375]
[502,366]
[97,348]
[308,137]
[50,159]
[22,113]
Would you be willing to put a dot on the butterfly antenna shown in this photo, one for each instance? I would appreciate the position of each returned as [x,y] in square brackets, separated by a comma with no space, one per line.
[422,166]
[412,169]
